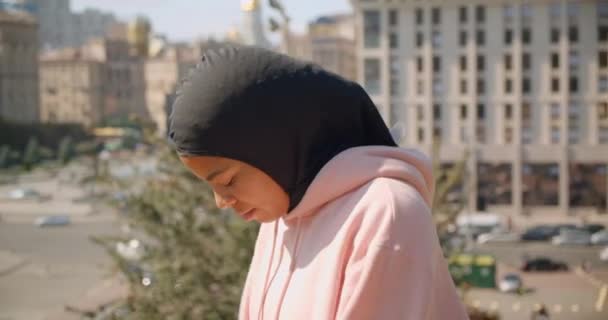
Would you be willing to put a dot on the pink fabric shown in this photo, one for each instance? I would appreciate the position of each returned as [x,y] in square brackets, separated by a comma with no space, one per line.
[360,245]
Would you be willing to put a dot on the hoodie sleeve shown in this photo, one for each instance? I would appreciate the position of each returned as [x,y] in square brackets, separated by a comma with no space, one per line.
[392,270]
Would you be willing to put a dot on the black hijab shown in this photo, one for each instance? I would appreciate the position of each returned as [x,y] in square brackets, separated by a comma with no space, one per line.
[285,117]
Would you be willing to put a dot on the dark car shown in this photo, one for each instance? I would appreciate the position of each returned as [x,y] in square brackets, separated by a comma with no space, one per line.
[543,264]
[593,227]
[545,232]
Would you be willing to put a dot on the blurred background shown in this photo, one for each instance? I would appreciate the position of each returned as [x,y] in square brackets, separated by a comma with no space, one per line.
[98,219]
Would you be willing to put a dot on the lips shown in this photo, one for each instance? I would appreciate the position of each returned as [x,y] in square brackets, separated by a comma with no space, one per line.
[247,215]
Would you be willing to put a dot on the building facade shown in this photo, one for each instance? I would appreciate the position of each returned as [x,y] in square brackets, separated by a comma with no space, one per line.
[332,41]
[72,91]
[522,86]
[19,100]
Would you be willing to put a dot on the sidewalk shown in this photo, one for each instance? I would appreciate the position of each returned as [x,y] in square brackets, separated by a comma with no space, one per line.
[103,294]
[10,262]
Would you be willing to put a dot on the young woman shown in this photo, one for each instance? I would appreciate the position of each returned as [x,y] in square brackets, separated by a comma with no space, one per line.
[346,230]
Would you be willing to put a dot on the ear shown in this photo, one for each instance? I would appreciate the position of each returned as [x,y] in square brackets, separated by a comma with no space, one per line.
[398,132]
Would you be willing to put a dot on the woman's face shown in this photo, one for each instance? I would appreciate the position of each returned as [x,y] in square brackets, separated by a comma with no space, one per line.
[249,191]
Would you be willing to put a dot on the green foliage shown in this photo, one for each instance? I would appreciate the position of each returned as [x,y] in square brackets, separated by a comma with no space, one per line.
[198,255]
[445,210]
[31,156]
[66,150]
[4,156]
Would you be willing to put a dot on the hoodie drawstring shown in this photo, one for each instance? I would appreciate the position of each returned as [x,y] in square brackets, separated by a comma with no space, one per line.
[267,279]
[292,267]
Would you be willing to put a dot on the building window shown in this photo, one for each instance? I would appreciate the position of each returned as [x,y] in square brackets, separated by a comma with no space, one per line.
[555,134]
[555,111]
[508,111]
[420,87]
[463,63]
[420,135]
[573,85]
[436,64]
[508,86]
[508,12]
[602,60]
[554,35]
[555,60]
[372,76]
[463,38]
[555,10]
[437,133]
[393,40]
[572,9]
[480,37]
[602,33]
[526,85]
[573,34]
[419,16]
[573,60]
[602,84]
[526,12]
[526,36]
[481,86]
[419,64]
[555,85]
[436,15]
[463,14]
[419,39]
[463,86]
[508,61]
[371,32]
[481,63]
[508,135]
[420,112]
[463,112]
[526,61]
[395,73]
[508,36]
[602,9]
[481,111]
[393,18]
[602,111]
[436,39]
[437,86]
[480,14]
[437,112]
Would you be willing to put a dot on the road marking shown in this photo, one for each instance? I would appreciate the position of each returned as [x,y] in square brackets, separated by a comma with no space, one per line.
[516,306]
[494,306]
[593,281]
[574,308]
[557,308]
[601,298]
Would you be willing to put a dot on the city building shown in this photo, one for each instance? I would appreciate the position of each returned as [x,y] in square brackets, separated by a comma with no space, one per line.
[18,67]
[98,83]
[60,27]
[523,86]
[252,32]
[332,42]
[72,91]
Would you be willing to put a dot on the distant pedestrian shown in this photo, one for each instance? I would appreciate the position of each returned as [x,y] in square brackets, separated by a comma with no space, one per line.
[540,314]
[346,226]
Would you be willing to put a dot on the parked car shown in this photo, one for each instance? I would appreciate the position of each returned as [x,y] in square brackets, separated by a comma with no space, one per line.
[498,236]
[21,194]
[600,237]
[52,221]
[572,237]
[593,227]
[604,254]
[510,283]
[545,232]
[543,264]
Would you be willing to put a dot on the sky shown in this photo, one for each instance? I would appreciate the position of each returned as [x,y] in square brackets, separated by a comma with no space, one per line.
[183,20]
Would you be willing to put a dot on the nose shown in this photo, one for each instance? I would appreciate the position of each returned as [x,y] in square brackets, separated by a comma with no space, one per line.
[224,201]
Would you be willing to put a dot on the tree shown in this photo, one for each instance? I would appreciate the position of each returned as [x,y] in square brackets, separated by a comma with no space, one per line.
[66,150]
[31,154]
[198,255]
[4,156]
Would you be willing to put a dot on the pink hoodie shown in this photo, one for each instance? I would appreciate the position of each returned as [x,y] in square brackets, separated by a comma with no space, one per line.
[360,245]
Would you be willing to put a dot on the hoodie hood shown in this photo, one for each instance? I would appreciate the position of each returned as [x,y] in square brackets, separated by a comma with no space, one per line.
[355,167]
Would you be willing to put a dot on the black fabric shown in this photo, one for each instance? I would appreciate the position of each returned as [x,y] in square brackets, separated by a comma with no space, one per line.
[285,117]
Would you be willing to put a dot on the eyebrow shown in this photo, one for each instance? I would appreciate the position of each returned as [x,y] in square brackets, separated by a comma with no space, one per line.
[215,173]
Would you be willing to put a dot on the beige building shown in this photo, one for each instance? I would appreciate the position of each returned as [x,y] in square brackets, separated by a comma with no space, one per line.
[332,44]
[72,91]
[114,82]
[18,68]
[522,85]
